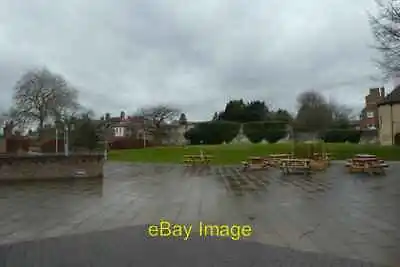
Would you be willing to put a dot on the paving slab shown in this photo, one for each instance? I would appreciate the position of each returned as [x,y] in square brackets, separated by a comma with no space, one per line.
[130,246]
[334,213]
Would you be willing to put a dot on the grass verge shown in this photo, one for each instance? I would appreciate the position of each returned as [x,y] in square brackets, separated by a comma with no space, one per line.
[235,153]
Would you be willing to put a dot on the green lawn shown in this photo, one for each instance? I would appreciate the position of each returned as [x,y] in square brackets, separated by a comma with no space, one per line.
[234,154]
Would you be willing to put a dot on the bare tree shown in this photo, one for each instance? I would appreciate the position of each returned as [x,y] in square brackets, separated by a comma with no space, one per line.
[341,115]
[314,113]
[386,29]
[12,120]
[40,95]
[3,118]
[156,117]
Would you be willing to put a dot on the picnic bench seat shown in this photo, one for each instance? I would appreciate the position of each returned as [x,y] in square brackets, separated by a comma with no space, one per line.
[255,163]
[289,166]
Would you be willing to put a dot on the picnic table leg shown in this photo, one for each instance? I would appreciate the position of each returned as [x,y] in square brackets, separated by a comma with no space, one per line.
[368,169]
[285,170]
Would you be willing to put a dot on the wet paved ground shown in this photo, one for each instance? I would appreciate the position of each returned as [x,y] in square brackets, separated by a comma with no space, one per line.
[352,216]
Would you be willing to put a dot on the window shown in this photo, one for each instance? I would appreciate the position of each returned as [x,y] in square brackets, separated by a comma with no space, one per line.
[118,131]
[370,114]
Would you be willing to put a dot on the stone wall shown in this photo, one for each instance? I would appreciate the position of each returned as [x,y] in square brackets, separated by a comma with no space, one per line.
[44,167]
[389,116]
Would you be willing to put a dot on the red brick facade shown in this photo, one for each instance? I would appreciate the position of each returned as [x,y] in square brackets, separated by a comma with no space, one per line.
[369,118]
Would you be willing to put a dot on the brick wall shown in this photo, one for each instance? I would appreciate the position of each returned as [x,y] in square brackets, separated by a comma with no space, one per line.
[375,96]
[43,167]
[3,148]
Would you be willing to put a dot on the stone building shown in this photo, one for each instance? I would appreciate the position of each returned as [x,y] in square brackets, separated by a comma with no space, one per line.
[389,118]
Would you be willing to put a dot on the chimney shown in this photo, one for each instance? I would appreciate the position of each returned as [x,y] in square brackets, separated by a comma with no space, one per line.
[122,115]
[396,79]
[374,92]
[382,92]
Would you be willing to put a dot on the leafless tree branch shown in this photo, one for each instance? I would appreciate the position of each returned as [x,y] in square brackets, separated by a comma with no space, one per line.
[386,29]
[40,95]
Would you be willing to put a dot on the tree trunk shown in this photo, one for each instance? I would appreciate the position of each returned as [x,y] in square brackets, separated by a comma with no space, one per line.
[41,126]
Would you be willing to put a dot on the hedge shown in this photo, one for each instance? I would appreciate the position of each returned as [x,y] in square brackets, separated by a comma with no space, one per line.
[128,143]
[254,131]
[213,133]
[218,132]
[271,131]
[341,136]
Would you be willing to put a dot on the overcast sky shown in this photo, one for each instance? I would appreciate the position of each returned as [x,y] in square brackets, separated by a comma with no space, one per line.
[125,54]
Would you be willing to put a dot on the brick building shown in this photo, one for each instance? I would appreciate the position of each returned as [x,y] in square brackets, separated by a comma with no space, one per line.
[369,117]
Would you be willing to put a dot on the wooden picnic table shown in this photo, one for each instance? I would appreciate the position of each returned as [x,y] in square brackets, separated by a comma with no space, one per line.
[366,163]
[256,159]
[288,166]
[365,156]
[201,159]
[255,163]
[296,160]
[280,155]
[275,159]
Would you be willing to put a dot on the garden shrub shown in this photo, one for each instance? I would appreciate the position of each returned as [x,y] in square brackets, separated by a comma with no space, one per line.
[273,136]
[341,136]
[194,135]
[128,143]
[254,131]
[215,132]
[271,131]
[354,136]
[85,136]
[229,130]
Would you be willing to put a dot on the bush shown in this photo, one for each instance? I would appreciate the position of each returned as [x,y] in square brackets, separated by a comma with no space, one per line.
[271,131]
[254,131]
[194,135]
[229,130]
[341,136]
[85,136]
[215,132]
[273,136]
[354,137]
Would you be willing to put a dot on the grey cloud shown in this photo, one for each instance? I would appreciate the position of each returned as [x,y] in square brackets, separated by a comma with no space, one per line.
[195,54]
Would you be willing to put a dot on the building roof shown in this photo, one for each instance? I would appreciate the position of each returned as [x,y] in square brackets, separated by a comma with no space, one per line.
[392,98]
[121,122]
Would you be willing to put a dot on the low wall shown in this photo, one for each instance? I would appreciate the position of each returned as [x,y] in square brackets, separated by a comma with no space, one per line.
[2,145]
[45,167]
